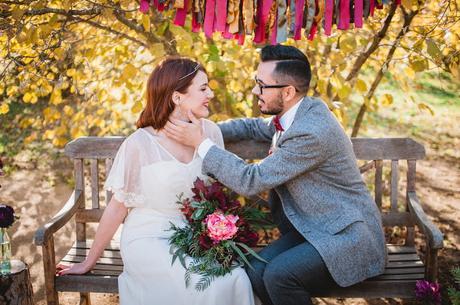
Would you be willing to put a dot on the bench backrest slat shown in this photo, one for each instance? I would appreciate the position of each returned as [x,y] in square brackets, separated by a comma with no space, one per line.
[378,183]
[394,186]
[108,166]
[94,183]
[80,185]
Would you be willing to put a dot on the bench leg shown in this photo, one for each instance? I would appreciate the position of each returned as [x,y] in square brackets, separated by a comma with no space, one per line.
[49,268]
[85,298]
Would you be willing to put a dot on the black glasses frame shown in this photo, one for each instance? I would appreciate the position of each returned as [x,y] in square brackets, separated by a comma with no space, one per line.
[263,86]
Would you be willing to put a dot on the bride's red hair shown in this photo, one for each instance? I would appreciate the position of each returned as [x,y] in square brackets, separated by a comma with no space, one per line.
[172,74]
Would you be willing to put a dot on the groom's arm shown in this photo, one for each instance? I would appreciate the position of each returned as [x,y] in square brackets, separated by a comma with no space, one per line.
[258,129]
[295,156]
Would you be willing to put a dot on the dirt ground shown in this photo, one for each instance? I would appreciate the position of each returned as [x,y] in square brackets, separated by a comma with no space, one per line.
[37,193]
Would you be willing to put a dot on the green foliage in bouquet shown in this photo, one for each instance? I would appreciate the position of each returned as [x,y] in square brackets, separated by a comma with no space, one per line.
[219,233]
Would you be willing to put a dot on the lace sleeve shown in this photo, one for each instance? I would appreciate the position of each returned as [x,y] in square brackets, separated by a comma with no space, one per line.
[123,179]
[212,131]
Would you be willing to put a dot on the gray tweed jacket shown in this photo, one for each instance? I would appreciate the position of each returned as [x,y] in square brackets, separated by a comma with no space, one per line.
[315,183]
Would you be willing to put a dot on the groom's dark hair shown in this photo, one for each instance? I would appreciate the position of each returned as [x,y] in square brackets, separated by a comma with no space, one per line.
[292,66]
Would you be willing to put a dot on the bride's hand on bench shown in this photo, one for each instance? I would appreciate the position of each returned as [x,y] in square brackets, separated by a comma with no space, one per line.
[79,268]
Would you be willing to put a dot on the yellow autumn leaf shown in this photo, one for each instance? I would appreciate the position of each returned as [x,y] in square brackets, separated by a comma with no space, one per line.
[48,134]
[59,142]
[71,72]
[361,86]
[56,97]
[407,4]
[213,84]
[137,107]
[68,110]
[4,108]
[32,137]
[386,99]
[129,71]
[30,97]
[146,22]
[76,132]
[61,130]
[344,91]
[157,50]
[423,106]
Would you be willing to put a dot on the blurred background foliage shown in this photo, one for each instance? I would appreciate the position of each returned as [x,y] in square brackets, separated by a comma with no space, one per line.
[79,67]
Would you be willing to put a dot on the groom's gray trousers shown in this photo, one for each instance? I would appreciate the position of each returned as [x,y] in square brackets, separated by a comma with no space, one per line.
[294,270]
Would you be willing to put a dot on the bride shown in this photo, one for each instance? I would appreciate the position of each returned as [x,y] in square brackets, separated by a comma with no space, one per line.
[148,172]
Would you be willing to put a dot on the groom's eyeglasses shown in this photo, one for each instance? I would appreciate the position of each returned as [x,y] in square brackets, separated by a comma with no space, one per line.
[261,86]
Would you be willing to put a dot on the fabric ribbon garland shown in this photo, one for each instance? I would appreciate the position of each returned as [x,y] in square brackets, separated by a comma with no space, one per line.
[269,21]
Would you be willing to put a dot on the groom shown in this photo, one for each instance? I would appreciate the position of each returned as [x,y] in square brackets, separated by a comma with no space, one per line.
[331,229]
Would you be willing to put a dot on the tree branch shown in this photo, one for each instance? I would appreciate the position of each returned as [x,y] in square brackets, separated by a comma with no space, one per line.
[408,17]
[362,58]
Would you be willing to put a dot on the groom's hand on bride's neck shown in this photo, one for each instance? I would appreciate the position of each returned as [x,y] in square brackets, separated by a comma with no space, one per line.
[187,133]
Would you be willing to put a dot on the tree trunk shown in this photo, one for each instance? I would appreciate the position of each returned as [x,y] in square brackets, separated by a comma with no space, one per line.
[16,288]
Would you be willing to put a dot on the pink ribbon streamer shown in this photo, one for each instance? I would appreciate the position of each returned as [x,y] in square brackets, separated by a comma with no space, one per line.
[144,7]
[181,14]
[208,25]
[344,21]
[263,10]
[300,5]
[226,34]
[221,16]
[359,13]
[328,17]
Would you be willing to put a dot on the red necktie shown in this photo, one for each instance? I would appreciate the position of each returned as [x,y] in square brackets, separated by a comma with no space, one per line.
[279,129]
[277,124]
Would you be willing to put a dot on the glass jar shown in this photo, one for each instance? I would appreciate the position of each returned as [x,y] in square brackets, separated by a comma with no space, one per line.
[5,252]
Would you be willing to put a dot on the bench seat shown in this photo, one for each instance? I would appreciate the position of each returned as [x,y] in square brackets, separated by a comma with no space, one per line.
[404,267]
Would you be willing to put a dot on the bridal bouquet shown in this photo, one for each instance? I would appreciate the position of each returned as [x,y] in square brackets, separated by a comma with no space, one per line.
[219,234]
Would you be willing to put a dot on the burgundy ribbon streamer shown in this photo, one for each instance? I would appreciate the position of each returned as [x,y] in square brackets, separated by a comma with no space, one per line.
[359,13]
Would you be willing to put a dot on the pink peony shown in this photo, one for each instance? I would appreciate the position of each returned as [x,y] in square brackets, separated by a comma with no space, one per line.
[220,226]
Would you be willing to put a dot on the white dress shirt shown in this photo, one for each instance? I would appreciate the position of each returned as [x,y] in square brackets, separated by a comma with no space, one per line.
[285,121]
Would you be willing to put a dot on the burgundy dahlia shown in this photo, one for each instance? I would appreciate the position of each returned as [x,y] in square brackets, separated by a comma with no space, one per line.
[6,216]
[205,242]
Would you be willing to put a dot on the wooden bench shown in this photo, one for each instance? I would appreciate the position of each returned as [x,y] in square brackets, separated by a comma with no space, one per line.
[403,268]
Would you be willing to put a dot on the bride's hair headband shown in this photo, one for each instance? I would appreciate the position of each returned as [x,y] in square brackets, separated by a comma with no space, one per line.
[194,70]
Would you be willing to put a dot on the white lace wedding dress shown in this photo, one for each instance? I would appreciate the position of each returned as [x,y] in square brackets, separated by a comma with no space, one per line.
[147,179]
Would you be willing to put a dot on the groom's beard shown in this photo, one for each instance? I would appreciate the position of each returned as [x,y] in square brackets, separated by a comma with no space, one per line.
[275,108]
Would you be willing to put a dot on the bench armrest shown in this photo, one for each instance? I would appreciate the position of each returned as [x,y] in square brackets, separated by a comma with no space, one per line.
[60,219]
[431,231]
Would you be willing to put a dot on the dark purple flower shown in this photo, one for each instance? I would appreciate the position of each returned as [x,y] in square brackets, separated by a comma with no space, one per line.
[6,216]
[427,292]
